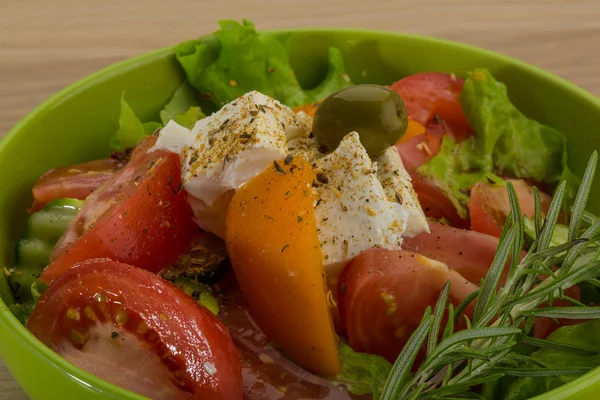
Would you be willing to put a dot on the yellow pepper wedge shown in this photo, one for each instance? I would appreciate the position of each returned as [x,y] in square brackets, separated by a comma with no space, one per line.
[272,241]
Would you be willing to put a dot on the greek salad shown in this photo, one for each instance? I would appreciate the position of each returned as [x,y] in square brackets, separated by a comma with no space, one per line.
[422,239]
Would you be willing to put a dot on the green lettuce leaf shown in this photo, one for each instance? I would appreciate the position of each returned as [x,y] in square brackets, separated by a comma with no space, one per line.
[131,129]
[22,310]
[183,107]
[509,142]
[189,118]
[151,127]
[362,373]
[236,59]
[583,335]
[452,170]
[560,234]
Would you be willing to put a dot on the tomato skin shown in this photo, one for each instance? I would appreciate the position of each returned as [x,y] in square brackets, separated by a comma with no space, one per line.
[490,205]
[74,181]
[430,94]
[419,149]
[140,217]
[383,295]
[189,331]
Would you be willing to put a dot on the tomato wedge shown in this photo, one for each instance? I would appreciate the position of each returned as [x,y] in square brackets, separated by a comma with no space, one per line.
[430,94]
[469,253]
[383,295]
[140,217]
[136,330]
[274,248]
[75,181]
[490,205]
[419,149]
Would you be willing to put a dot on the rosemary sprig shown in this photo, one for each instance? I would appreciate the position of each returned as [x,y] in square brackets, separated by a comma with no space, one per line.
[503,316]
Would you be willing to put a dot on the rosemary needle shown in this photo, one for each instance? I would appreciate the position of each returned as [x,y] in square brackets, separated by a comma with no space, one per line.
[504,315]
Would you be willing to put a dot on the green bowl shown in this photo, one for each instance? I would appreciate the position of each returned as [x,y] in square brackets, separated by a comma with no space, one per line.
[75,125]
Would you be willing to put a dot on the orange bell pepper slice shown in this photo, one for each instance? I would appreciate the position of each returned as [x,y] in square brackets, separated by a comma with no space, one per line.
[272,241]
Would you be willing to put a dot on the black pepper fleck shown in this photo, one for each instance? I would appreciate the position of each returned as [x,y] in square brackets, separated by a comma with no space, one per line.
[398,198]
[322,178]
[278,167]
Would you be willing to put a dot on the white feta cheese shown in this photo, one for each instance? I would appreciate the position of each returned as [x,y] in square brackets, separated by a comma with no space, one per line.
[237,143]
[397,184]
[228,148]
[352,209]
[308,147]
[174,137]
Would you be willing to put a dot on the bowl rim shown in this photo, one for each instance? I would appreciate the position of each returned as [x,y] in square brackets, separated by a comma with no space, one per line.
[107,388]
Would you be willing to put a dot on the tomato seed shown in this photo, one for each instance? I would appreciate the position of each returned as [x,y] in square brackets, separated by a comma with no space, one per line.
[77,337]
[90,313]
[391,309]
[121,317]
[100,297]
[73,314]
[387,298]
[142,328]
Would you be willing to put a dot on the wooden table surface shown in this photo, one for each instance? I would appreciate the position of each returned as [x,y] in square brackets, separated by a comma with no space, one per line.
[47,44]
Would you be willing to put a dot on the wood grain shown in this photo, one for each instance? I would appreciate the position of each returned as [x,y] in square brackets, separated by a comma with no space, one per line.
[47,44]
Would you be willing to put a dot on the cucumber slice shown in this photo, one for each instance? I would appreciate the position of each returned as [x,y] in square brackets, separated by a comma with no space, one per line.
[33,252]
[50,223]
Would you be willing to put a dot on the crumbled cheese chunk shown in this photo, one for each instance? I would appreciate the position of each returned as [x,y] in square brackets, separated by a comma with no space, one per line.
[237,143]
[397,184]
[352,209]
[174,137]
[308,147]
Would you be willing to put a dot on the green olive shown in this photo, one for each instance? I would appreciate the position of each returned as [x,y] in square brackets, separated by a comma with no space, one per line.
[377,113]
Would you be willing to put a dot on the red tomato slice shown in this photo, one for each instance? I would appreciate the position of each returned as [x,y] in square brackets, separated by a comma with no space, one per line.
[420,149]
[75,181]
[134,329]
[433,100]
[140,217]
[433,93]
[490,205]
[467,252]
[383,295]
